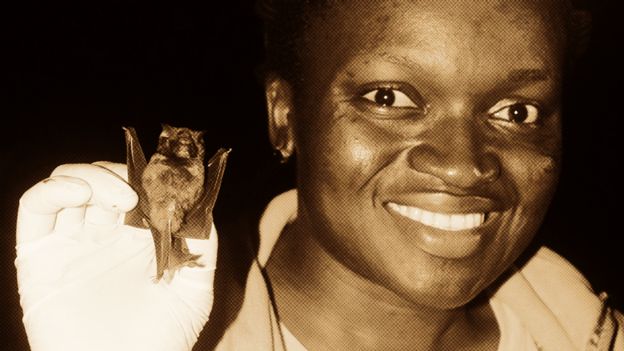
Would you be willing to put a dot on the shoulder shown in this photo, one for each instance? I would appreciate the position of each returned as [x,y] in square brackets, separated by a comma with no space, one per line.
[550,273]
[552,297]
[238,231]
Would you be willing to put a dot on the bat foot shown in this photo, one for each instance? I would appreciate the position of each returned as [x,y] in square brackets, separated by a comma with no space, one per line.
[185,260]
[178,260]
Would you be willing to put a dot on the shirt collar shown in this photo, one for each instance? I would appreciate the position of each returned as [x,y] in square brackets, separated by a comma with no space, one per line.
[278,213]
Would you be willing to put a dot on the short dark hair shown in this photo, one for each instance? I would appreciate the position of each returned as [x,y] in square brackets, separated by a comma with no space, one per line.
[284,23]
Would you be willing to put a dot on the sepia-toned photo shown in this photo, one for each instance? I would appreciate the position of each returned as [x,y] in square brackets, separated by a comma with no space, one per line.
[314,175]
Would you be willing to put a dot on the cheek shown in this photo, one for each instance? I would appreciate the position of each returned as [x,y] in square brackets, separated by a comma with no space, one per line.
[350,162]
[544,168]
[345,148]
[534,177]
[530,163]
[360,153]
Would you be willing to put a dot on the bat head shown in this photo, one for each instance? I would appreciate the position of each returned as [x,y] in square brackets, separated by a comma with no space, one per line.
[181,143]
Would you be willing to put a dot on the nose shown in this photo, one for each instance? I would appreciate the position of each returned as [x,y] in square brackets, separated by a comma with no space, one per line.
[184,138]
[453,151]
[185,141]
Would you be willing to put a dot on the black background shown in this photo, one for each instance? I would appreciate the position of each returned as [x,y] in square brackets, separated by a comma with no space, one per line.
[79,71]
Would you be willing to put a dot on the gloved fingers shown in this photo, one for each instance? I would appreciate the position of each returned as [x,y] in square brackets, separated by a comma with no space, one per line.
[118,168]
[69,218]
[39,205]
[111,196]
[121,170]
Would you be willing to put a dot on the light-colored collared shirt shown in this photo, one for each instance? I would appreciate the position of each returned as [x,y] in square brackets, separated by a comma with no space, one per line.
[545,305]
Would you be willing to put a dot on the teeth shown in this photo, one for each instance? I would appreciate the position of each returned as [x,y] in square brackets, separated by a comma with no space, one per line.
[445,221]
[441,221]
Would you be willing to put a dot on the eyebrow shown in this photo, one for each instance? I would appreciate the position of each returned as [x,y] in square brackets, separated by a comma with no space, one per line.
[516,76]
[519,76]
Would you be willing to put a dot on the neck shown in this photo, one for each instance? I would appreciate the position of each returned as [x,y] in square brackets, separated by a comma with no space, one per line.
[328,306]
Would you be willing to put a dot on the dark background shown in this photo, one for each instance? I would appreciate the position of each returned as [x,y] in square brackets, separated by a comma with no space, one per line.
[79,71]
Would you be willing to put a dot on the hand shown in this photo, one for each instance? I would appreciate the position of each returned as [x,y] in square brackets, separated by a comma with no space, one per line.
[86,280]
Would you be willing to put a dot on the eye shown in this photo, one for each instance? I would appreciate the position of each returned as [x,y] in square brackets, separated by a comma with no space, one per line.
[515,111]
[389,97]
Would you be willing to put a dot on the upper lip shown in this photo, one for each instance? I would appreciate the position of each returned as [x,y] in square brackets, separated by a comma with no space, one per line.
[444,202]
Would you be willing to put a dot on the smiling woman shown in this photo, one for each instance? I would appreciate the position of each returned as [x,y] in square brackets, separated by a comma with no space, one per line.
[453,142]
[457,109]
[428,141]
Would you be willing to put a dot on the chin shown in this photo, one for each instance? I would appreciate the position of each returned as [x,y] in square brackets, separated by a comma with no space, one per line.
[444,284]
[445,298]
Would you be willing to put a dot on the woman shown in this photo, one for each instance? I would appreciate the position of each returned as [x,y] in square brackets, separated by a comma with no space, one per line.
[427,137]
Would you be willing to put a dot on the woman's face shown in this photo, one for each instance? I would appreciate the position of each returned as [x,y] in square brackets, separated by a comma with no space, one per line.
[428,139]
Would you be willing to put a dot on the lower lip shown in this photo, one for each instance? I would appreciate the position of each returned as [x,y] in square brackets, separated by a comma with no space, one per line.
[444,243]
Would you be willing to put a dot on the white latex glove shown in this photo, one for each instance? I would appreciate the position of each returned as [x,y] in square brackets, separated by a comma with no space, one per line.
[85,279]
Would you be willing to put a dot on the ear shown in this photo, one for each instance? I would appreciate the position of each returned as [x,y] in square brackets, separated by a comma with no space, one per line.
[280,108]
[166,129]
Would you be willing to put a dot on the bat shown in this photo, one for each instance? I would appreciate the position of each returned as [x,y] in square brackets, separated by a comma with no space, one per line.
[176,192]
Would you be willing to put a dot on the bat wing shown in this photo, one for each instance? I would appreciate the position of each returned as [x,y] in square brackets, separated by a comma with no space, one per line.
[136,162]
[198,221]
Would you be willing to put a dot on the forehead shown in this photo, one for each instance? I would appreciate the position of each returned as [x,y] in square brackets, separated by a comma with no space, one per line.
[380,11]
[371,21]
[459,34]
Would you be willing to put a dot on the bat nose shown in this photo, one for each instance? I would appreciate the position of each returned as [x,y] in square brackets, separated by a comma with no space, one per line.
[185,138]
[185,148]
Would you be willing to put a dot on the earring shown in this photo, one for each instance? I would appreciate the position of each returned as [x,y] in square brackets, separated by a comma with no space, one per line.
[282,154]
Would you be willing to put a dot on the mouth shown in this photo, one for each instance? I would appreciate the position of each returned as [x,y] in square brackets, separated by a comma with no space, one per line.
[439,220]
[446,225]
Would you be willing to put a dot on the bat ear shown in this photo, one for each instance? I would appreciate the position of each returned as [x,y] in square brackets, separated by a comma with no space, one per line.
[166,127]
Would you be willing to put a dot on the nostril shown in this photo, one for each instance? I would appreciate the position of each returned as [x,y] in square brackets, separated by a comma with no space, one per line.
[423,158]
[489,175]
[488,168]
[462,167]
